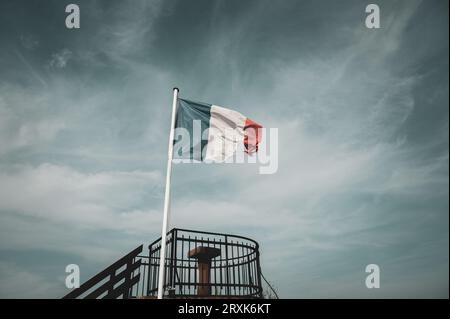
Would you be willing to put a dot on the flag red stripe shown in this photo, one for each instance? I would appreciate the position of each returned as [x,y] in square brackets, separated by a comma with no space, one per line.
[252,136]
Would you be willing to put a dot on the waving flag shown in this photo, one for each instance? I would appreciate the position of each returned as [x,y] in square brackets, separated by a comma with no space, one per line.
[221,131]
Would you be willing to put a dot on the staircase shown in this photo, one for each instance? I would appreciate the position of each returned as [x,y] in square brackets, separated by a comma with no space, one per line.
[116,281]
[198,264]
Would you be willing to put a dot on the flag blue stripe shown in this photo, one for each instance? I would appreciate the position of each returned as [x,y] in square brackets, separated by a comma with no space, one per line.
[187,112]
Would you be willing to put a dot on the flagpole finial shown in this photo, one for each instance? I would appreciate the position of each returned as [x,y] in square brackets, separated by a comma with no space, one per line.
[175,88]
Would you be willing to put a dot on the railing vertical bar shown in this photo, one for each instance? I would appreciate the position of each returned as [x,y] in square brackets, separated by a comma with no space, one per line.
[258,265]
[232,262]
[156,271]
[248,271]
[255,269]
[221,267]
[182,265]
[189,266]
[150,274]
[227,275]
[151,287]
[172,259]
[144,280]
[239,272]
[244,269]
[250,280]
[167,265]
[195,271]
[215,270]
[175,259]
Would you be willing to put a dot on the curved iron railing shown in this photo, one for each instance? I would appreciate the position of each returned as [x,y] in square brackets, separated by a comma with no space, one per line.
[204,264]
[198,265]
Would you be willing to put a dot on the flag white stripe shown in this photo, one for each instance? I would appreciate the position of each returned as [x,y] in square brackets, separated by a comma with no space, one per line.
[226,131]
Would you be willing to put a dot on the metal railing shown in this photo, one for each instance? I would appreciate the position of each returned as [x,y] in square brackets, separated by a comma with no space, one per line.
[197,265]
[234,271]
[116,281]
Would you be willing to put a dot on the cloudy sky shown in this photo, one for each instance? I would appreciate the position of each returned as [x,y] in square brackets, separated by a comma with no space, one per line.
[362,115]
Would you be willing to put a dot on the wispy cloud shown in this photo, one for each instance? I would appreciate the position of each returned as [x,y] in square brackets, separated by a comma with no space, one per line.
[100,200]
[16,283]
[29,41]
[36,75]
[361,177]
[60,59]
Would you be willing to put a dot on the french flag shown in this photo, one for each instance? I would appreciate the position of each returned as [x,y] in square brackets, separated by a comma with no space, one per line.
[222,131]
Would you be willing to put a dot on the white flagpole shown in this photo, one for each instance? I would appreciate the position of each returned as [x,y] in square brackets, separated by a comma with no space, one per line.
[167,199]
